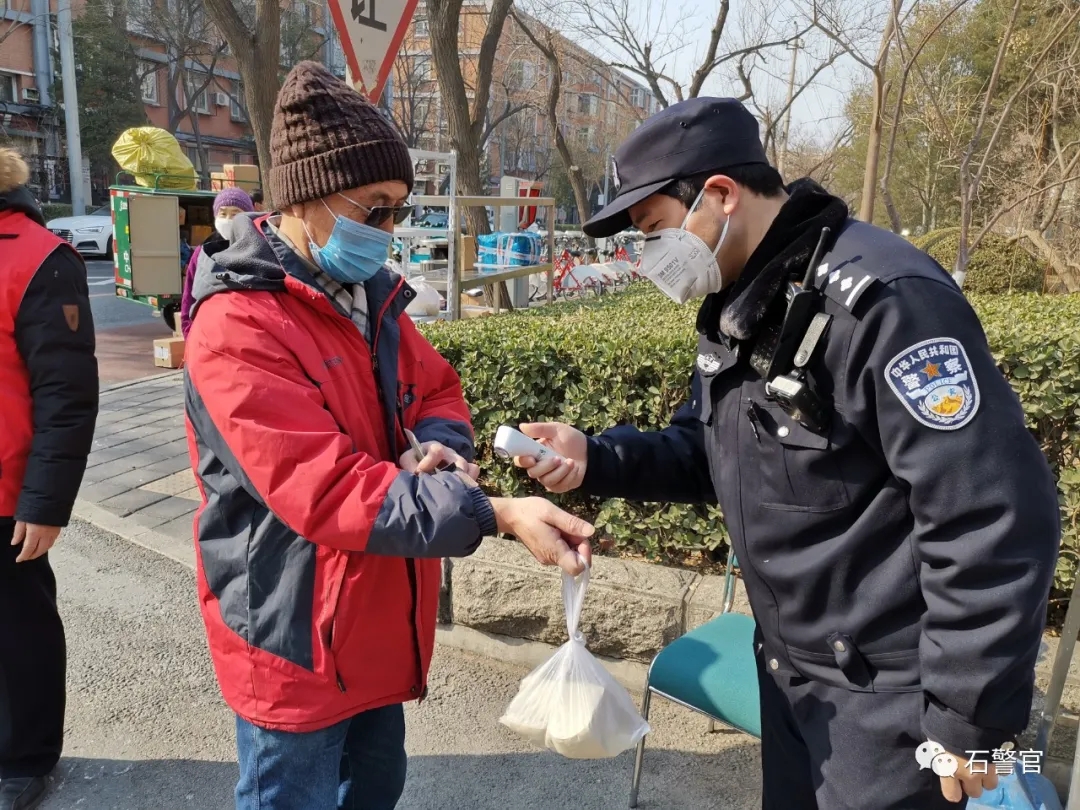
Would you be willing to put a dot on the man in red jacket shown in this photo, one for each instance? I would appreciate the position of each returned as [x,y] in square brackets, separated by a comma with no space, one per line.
[320,536]
[48,406]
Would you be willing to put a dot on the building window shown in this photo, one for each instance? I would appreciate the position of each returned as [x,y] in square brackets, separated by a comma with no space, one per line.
[422,69]
[637,97]
[236,112]
[421,113]
[150,83]
[338,56]
[9,88]
[198,100]
[587,104]
[420,28]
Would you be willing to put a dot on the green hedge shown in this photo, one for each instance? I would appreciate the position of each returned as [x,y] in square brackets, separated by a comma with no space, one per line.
[55,210]
[997,265]
[628,359]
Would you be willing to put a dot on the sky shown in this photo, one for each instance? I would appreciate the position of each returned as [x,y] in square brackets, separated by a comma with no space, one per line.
[680,31]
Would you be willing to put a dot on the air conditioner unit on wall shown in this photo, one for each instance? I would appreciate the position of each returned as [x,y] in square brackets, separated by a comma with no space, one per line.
[221,99]
[31,94]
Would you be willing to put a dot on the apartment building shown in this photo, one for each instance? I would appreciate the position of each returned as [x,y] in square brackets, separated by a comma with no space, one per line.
[598,106]
[189,81]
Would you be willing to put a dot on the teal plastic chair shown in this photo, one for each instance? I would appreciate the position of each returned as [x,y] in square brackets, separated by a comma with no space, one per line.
[711,670]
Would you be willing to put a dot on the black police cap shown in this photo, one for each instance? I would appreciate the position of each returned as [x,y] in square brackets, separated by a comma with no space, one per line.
[693,136]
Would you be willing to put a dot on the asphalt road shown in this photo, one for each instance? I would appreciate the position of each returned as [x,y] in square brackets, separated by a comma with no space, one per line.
[110,311]
[147,730]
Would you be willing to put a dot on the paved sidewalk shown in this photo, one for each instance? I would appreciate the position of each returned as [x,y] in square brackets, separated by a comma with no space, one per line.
[146,728]
[139,467]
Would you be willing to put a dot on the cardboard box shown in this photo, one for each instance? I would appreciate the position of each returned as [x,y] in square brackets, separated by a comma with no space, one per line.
[237,175]
[243,176]
[169,352]
[199,234]
[468,253]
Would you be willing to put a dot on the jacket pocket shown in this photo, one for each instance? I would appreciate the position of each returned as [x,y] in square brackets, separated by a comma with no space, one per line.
[335,586]
[845,666]
[797,470]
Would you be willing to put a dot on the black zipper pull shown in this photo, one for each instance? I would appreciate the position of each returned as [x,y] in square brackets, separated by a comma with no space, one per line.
[752,415]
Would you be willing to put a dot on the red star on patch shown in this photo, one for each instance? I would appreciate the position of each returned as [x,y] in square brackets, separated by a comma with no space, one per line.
[931,371]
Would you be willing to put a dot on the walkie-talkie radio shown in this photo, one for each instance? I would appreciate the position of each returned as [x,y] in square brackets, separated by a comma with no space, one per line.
[804,325]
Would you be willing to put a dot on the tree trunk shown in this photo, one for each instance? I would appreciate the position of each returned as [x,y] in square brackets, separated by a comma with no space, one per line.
[873,146]
[466,121]
[1067,272]
[258,54]
[573,172]
[260,97]
[203,169]
[880,93]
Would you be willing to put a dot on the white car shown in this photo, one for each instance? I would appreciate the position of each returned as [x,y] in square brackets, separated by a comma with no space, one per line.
[90,234]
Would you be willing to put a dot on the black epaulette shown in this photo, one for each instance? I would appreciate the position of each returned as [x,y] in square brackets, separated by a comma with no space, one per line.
[846,284]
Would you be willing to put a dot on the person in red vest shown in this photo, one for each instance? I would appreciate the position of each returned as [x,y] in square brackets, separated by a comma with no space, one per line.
[48,403]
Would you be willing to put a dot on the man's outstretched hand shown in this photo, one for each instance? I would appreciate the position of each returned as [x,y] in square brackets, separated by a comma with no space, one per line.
[554,537]
[36,540]
[555,474]
[436,454]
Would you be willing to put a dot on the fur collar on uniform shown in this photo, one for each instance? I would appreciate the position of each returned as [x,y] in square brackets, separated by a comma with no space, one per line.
[781,257]
[14,195]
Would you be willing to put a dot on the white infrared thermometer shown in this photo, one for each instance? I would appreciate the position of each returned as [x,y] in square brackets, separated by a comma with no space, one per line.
[510,442]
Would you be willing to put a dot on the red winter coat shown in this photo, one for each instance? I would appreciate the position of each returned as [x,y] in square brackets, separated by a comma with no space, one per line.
[318,557]
[48,374]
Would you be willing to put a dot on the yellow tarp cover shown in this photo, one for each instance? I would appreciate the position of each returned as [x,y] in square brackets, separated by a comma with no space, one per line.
[155,158]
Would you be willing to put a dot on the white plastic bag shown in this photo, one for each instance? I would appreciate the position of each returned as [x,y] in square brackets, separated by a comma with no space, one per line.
[427,301]
[571,704]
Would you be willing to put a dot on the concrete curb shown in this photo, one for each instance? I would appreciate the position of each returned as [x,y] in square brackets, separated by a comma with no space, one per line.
[134,532]
[632,611]
[500,604]
[532,654]
[630,674]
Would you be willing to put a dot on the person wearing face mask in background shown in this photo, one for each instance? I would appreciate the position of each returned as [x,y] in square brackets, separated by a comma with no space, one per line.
[895,522]
[320,533]
[227,204]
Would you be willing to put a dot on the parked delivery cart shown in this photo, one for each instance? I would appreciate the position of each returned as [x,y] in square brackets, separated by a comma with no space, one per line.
[149,224]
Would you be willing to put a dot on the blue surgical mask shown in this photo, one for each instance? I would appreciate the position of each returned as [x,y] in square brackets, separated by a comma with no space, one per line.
[353,253]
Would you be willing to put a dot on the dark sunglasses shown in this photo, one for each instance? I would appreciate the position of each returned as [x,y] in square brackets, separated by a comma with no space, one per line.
[380,213]
[377,215]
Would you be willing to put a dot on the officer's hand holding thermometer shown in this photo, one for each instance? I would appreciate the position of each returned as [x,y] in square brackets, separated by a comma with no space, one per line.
[562,471]
[553,537]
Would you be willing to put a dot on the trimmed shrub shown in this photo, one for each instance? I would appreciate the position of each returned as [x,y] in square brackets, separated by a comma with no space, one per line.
[627,359]
[55,210]
[997,265]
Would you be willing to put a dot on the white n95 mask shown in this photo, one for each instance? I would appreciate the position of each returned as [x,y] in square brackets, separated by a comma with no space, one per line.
[224,227]
[680,264]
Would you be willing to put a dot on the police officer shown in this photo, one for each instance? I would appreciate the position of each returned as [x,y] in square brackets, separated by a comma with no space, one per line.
[896,524]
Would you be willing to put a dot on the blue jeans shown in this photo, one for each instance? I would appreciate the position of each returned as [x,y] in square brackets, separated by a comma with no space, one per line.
[358,764]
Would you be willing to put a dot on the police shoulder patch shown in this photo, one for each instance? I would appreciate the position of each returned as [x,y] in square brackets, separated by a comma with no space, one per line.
[935,381]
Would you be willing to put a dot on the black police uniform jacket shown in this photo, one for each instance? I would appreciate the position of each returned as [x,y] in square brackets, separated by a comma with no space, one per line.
[912,546]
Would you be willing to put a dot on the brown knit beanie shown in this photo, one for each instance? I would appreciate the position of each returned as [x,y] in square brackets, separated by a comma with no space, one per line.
[326,137]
